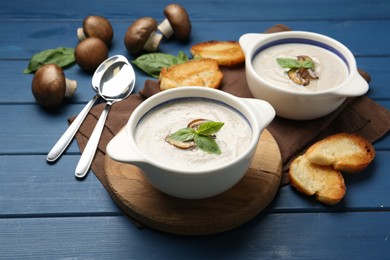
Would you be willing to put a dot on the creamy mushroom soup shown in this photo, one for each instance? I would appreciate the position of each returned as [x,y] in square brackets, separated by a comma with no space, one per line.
[233,138]
[330,68]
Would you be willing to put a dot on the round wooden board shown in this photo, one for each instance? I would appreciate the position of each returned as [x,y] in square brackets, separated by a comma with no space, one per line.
[152,208]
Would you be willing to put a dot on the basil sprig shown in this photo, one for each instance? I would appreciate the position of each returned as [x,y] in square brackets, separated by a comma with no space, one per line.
[61,56]
[153,63]
[201,136]
[295,63]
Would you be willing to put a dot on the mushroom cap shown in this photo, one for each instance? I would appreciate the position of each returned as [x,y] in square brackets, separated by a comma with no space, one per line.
[90,53]
[179,20]
[48,85]
[99,27]
[138,33]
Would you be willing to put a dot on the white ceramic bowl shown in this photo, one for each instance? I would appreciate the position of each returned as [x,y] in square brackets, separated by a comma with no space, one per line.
[192,183]
[295,104]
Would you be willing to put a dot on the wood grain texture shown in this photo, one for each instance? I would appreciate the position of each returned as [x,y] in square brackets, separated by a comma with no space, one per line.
[268,236]
[46,214]
[201,10]
[361,37]
[143,203]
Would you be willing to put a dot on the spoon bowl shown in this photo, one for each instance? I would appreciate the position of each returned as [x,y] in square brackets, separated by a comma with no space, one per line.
[68,135]
[116,84]
[97,76]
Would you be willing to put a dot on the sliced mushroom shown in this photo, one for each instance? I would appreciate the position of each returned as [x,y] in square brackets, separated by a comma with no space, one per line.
[50,87]
[295,76]
[179,144]
[89,53]
[196,123]
[96,26]
[177,22]
[142,35]
[302,76]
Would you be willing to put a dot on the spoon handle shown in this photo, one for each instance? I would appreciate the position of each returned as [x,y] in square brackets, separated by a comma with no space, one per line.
[90,149]
[67,137]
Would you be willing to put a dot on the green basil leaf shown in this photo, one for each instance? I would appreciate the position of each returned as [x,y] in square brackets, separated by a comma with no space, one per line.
[183,135]
[201,137]
[207,144]
[288,63]
[61,56]
[308,64]
[209,128]
[182,57]
[153,63]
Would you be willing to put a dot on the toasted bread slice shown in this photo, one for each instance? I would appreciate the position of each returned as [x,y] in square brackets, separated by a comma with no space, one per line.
[201,72]
[226,53]
[323,182]
[345,152]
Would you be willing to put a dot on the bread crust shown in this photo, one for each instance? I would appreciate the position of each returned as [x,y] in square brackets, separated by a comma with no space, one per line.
[318,171]
[323,182]
[200,72]
[226,53]
[345,152]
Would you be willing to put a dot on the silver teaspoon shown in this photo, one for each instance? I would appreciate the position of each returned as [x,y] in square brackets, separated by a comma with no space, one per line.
[116,84]
[68,135]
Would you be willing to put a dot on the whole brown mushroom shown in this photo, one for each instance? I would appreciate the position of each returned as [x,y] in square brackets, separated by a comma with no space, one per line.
[142,35]
[177,22]
[50,87]
[89,53]
[96,26]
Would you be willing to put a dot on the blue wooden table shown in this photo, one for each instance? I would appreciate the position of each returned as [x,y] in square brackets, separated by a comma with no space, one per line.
[46,213]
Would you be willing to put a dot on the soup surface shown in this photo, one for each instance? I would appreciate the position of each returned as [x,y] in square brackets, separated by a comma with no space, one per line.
[233,138]
[329,67]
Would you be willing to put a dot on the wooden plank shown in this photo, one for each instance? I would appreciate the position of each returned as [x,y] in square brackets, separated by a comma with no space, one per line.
[379,85]
[269,236]
[200,10]
[364,38]
[35,130]
[32,187]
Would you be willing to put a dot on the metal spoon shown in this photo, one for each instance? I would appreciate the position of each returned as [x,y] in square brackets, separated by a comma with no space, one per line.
[68,135]
[116,84]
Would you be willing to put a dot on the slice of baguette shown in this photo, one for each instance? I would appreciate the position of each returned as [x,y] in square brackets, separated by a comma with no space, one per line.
[323,182]
[226,53]
[201,72]
[345,152]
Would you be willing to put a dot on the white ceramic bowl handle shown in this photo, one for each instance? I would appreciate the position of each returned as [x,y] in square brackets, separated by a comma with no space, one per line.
[357,86]
[120,149]
[249,40]
[263,110]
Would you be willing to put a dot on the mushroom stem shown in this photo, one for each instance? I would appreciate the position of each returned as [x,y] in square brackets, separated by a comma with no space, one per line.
[71,86]
[166,28]
[80,34]
[153,41]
